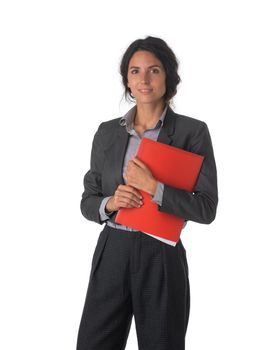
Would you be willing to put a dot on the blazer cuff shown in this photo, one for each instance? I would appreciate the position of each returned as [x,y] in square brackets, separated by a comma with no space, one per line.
[103,215]
[158,196]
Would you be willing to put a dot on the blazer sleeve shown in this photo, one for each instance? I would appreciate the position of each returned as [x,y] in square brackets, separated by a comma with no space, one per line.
[201,205]
[92,195]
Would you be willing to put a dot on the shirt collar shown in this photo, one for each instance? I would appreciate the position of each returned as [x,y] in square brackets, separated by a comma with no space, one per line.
[127,119]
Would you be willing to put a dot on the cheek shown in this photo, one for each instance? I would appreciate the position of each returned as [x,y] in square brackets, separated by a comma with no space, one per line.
[131,84]
[162,83]
[163,86]
[128,80]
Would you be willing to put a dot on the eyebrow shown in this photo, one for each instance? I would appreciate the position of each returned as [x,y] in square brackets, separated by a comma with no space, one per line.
[154,65]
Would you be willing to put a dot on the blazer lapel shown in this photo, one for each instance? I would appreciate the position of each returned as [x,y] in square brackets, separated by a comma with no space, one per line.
[121,146]
[167,130]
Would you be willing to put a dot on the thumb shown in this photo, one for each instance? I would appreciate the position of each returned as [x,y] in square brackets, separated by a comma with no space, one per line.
[139,162]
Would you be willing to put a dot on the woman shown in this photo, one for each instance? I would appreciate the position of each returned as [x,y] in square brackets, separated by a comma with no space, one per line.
[133,273]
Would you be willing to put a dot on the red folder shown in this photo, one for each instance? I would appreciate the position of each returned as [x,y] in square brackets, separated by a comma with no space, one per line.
[172,166]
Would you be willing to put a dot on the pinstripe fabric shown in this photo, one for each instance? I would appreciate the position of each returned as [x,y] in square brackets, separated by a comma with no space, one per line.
[133,274]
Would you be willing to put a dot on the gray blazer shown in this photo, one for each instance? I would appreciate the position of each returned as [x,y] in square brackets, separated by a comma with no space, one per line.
[106,164]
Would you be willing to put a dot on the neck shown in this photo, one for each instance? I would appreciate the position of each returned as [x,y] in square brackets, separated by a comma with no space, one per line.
[147,115]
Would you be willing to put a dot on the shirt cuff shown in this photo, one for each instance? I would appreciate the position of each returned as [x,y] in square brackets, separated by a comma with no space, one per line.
[103,215]
[158,196]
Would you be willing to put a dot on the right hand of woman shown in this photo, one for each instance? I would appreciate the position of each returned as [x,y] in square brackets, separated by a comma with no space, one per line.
[125,196]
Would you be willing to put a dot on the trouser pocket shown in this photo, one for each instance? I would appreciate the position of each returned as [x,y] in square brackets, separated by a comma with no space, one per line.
[101,242]
[183,256]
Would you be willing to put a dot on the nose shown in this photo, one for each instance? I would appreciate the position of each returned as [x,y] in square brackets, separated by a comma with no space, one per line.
[144,77]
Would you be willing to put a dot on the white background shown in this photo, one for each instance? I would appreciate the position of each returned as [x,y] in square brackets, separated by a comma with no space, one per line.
[59,80]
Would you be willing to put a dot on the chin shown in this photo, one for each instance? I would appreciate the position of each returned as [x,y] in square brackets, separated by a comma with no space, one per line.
[148,97]
[149,100]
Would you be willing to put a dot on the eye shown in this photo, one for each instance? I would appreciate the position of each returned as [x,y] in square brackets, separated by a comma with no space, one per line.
[155,70]
[134,70]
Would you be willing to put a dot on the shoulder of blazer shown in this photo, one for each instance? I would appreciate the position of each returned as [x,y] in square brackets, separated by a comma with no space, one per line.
[107,132]
[111,124]
[183,125]
[186,121]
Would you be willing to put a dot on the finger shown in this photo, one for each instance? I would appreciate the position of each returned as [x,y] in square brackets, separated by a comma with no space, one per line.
[139,162]
[127,203]
[129,189]
[134,191]
[129,198]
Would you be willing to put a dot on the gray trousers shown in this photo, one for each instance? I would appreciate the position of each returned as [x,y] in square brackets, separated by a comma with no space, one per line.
[135,274]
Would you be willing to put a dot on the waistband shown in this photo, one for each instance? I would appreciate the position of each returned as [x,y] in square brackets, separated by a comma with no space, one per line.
[121,227]
[139,233]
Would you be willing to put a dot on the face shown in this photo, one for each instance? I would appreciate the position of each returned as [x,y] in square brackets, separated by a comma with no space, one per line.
[146,77]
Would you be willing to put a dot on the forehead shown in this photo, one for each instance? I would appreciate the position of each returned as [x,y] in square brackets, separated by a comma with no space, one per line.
[144,58]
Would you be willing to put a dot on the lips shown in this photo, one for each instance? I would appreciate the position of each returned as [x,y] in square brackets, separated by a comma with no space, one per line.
[145,90]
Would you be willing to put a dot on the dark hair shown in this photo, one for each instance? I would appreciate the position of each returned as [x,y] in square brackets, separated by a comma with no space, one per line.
[164,53]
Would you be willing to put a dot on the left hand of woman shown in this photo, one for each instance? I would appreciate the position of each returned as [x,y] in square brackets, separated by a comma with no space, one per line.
[138,175]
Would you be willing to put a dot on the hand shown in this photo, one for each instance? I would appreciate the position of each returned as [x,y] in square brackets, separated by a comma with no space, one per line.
[125,196]
[139,176]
